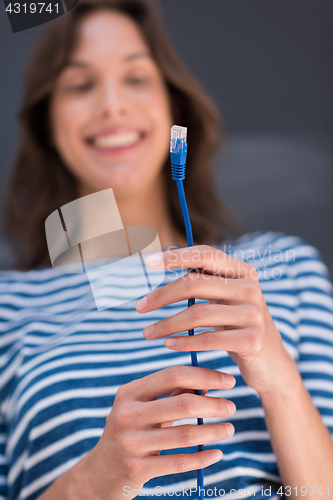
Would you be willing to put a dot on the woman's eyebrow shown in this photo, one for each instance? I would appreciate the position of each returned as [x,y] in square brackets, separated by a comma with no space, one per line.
[130,57]
[137,55]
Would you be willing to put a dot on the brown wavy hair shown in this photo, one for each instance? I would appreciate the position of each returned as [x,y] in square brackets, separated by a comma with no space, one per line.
[39,181]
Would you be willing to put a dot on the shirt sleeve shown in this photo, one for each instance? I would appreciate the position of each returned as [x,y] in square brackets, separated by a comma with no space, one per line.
[3,460]
[315,328]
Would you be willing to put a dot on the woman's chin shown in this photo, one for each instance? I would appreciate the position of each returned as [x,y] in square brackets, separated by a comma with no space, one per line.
[123,181]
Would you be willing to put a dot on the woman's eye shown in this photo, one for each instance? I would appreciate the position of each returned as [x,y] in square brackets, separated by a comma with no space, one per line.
[80,88]
[138,80]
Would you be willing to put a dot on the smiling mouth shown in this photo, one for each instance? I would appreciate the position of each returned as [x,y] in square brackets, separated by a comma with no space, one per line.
[116,141]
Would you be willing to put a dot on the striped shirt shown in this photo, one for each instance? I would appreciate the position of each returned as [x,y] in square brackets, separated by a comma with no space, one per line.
[62,361]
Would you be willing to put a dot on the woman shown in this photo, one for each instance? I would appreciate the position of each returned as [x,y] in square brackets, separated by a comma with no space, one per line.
[83,406]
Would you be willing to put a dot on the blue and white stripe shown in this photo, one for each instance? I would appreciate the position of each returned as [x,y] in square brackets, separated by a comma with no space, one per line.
[62,361]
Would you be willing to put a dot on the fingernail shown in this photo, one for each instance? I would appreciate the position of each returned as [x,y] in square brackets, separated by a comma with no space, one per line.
[141,304]
[154,260]
[170,342]
[230,429]
[216,455]
[231,406]
[228,380]
[148,331]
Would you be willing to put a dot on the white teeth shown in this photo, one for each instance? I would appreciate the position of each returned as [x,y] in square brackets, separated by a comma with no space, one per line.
[117,140]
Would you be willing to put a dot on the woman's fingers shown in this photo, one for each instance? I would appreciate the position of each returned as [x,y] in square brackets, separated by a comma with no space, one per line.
[183,462]
[200,286]
[165,381]
[182,406]
[239,341]
[202,315]
[182,436]
[176,393]
[209,259]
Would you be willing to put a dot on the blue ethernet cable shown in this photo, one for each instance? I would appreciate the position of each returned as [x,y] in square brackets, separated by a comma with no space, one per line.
[178,153]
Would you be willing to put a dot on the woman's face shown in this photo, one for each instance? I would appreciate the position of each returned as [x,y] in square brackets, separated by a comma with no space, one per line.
[110,110]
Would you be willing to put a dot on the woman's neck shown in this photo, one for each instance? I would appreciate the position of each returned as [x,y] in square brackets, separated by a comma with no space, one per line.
[148,208]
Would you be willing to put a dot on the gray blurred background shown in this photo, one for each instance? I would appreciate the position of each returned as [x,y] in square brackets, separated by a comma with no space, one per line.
[269,67]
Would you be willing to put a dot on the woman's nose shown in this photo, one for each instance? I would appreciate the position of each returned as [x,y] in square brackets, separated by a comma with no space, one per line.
[112,101]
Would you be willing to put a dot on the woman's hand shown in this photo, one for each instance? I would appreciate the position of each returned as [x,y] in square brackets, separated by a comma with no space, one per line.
[236,310]
[139,426]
